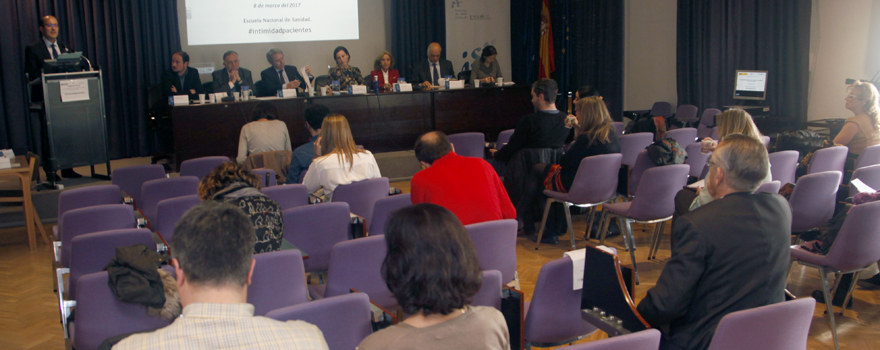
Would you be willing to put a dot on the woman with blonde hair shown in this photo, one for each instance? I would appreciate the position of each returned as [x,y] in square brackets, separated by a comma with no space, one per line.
[862,129]
[338,160]
[382,70]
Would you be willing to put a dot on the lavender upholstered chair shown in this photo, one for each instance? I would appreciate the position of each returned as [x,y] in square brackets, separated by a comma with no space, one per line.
[684,136]
[382,211]
[783,165]
[357,264]
[828,159]
[632,144]
[619,128]
[503,138]
[169,211]
[696,159]
[643,162]
[469,144]
[495,242]
[857,246]
[199,167]
[780,326]
[99,315]
[316,229]
[661,109]
[154,191]
[707,122]
[361,196]
[869,156]
[344,320]
[870,175]
[278,281]
[92,219]
[686,115]
[86,197]
[553,317]
[288,195]
[648,339]
[267,177]
[490,291]
[769,187]
[594,183]
[813,200]
[131,178]
[652,204]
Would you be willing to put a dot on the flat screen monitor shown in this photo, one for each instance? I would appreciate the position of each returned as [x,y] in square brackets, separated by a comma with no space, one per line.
[750,85]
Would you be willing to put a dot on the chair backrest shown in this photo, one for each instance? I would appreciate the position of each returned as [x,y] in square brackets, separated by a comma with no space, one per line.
[828,159]
[131,178]
[619,128]
[648,339]
[90,253]
[358,264]
[813,200]
[361,196]
[154,191]
[278,161]
[596,179]
[382,211]
[316,229]
[495,242]
[279,280]
[642,163]
[267,177]
[288,195]
[344,320]
[870,175]
[783,165]
[490,291]
[661,109]
[199,167]
[88,196]
[858,243]
[503,138]
[769,187]
[869,156]
[687,113]
[632,144]
[780,326]
[707,122]
[696,159]
[169,211]
[604,288]
[684,136]
[655,199]
[468,144]
[554,314]
[99,315]
[92,219]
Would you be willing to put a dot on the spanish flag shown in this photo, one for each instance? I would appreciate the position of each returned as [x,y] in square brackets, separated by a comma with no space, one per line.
[546,65]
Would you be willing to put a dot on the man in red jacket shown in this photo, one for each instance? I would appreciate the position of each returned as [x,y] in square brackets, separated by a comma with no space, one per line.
[467,186]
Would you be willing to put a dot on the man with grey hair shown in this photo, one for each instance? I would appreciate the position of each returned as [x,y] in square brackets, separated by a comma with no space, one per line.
[213,246]
[232,77]
[729,255]
[279,75]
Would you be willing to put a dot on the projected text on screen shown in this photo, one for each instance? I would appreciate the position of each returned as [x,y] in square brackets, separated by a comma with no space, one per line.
[215,22]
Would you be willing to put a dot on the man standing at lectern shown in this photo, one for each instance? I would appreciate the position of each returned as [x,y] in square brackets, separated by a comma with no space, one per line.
[47,48]
[428,73]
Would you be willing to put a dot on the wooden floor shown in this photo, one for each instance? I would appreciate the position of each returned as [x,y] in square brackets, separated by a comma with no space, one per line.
[29,314]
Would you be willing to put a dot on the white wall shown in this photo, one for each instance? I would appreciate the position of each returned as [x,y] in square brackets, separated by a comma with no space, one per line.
[649,53]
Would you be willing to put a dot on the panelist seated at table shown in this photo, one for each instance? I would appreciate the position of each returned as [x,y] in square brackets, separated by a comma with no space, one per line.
[264,134]
[486,69]
[181,79]
[280,76]
[428,72]
[232,77]
[339,161]
[345,74]
[382,69]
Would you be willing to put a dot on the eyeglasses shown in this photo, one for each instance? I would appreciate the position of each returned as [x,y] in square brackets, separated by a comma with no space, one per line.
[51,25]
[850,97]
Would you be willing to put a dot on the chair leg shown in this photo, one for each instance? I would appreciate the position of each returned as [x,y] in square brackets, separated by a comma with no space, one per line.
[568,221]
[544,223]
[632,248]
[606,218]
[658,234]
[830,312]
[849,291]
[590,223]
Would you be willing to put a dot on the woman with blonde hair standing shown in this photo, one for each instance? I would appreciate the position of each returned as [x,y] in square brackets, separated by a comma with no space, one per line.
[338,161]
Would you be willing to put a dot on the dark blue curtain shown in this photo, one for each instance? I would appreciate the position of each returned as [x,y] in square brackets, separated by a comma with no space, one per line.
[415,24]
[525,39]
[715,38]
[130,41]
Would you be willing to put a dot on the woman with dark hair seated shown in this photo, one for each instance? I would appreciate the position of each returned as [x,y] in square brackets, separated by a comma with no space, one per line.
[265,133]
[345,74]
[233,184]
[431,268]
[486,69]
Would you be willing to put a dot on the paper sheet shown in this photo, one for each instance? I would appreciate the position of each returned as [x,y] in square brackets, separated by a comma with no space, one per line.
[308,82]
[700,183]
[577,267]
[861,186]
[74,90]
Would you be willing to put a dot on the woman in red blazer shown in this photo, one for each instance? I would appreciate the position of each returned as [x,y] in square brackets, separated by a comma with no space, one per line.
[382,70]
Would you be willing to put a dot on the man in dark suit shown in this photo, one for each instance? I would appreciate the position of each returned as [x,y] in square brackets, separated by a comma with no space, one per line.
[427,73]
[232,77]
[181,79]
[280,76]
[729,255]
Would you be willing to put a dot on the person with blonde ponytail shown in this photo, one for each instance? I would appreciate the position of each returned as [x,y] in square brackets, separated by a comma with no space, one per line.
[338,161]
[862,129]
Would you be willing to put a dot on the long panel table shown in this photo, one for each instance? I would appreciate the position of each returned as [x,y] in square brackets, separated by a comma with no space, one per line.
[380,122]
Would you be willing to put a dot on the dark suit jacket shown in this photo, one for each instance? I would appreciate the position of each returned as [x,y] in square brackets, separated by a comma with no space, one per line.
[422,72]
[731,254]
[191,82]
[34,55]
[272,83]
[221,80]
[536,130]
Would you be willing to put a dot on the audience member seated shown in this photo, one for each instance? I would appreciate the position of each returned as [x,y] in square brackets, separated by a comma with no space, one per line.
[730,255]
[264,134]
[338,160]
[303,155]
[427,73]
[595,136]
[382,69]
[181,79]
[467,186]
[486,70]
[862,129]
[213,262]
[345,74]
[431,268]
[232,183]
[232,77]
[279,75]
